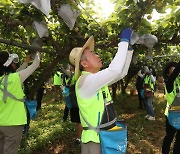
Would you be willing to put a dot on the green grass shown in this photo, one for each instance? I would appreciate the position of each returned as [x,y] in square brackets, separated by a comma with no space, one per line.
[49,134]
[47,127]
[143,136]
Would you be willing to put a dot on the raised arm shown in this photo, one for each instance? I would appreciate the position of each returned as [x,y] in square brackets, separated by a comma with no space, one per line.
[25,63]
[25,73]
[91,83]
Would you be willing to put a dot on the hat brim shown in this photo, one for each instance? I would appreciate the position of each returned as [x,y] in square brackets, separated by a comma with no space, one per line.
[89,44]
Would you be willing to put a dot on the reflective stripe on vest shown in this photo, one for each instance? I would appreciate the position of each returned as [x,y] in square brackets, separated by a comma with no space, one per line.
[8,94]
[171,96]
[73,81]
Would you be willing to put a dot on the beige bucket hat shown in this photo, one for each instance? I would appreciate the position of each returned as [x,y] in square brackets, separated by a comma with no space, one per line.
[75,55]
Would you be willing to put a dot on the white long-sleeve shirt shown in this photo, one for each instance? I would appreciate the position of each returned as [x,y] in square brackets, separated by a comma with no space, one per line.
[153,78]
[23,66]
[89,84]
[25,73]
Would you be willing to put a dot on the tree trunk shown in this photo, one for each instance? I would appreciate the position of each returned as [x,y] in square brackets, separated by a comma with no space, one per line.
[123,88]
[114,88]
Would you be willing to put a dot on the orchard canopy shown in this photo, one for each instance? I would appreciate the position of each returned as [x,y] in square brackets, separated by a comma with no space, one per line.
[54,27]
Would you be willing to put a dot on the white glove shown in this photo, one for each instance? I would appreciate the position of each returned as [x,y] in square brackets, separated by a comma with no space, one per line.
[146,69]
[140,74]
[37,55]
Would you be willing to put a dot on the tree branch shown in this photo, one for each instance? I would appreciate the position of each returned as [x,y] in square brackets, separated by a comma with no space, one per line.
[25,46]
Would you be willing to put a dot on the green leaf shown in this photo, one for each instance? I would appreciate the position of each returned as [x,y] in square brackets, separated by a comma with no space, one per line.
[145,23]
[29,30]
[7,2]
[119,5]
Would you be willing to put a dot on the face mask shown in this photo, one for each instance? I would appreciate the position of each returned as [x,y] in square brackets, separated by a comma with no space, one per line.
[12,58]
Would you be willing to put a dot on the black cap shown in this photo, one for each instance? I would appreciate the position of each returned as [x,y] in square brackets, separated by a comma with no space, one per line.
[167,67]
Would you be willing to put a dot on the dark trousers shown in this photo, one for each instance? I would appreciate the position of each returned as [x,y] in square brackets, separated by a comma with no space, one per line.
[141,100]
[26,126]
[10,137]
[39,96]
[66,112]
[171,132]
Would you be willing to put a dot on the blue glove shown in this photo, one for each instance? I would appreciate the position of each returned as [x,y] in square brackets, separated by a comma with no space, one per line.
[126,35]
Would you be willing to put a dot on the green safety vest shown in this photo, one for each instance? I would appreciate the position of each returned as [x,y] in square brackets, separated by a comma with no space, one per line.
[70,81]
[91,109]
[12,112]
[73,81]
[171,96]
[67,81]
[147,80]
[57,78]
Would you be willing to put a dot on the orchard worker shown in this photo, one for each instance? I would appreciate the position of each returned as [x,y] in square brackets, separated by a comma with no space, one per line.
[171,78]
[74,110]
[139,87]
[149,87]
[57,82]
[90,82]
[13,115]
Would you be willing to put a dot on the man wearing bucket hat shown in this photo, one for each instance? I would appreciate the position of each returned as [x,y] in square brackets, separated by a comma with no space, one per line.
[172,81]
[13,115]
[91,81]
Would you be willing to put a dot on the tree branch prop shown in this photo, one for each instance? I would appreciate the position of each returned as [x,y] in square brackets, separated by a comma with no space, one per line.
[25,46]
[61,54]
[166,56]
